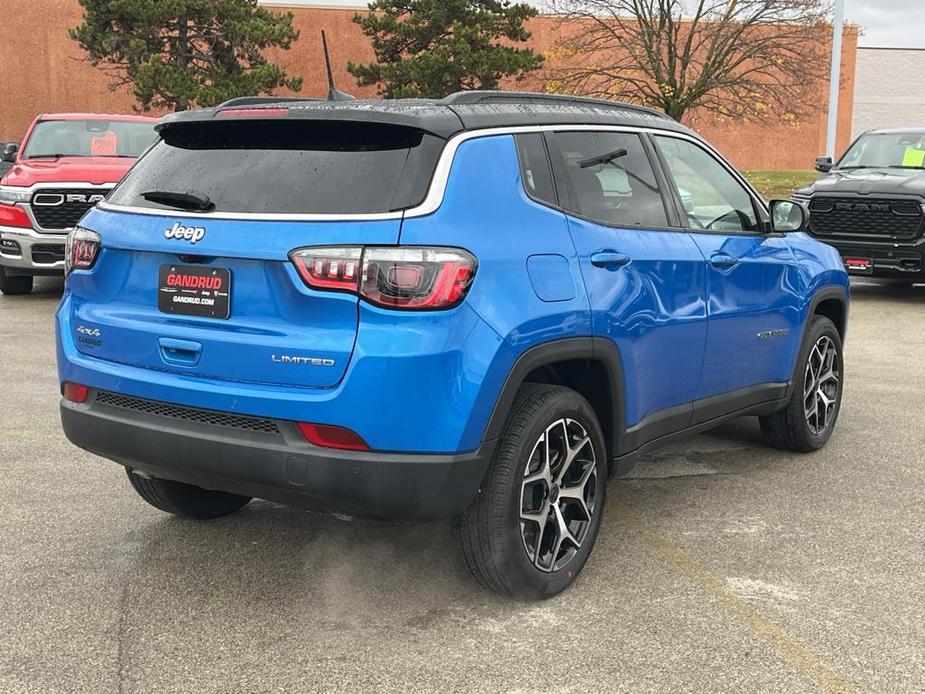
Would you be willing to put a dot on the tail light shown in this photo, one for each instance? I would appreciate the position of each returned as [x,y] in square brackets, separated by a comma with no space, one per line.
[80,250]
[329,268]
[413,278]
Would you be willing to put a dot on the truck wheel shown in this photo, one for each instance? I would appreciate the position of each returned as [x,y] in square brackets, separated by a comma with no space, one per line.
[15,285]
[185,499]
[807,422]
[531,529]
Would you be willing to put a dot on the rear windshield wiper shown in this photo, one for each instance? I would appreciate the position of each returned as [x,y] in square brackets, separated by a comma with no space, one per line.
[197,202]
[602,159]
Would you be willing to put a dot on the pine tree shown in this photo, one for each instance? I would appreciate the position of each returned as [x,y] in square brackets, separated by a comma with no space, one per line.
[431,48]
[183,53]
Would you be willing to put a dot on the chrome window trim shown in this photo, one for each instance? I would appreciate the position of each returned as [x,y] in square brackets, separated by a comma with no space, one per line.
[437,191]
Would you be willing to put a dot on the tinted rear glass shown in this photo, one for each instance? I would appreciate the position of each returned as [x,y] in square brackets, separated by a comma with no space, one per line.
[288,167]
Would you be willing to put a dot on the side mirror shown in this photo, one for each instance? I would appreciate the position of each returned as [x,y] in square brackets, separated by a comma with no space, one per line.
[788,216]
[824,164]
[9,152]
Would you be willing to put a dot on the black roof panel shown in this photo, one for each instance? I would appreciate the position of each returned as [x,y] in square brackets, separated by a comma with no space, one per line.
[474,110]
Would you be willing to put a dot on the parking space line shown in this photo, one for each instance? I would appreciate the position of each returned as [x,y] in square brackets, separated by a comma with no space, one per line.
[787,647]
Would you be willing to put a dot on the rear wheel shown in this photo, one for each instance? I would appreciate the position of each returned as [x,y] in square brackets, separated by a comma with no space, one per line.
[807,422]
[14,285]
[533,525]
[184,499]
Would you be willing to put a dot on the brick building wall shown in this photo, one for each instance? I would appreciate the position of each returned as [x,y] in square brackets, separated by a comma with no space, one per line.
[886,93]
[42,70]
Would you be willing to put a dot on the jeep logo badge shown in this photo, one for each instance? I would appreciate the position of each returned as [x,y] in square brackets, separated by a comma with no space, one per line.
[191,234]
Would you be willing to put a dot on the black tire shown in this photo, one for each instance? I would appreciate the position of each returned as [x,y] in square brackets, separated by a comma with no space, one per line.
[493,542]
[15,285]
[791,429]
[185,499]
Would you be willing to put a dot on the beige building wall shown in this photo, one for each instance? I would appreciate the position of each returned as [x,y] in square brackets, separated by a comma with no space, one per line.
[888,89]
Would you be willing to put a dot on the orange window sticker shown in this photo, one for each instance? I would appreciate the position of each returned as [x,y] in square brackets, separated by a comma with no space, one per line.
[105,145]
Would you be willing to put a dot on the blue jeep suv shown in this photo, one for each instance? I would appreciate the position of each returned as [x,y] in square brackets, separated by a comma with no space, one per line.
[482,307]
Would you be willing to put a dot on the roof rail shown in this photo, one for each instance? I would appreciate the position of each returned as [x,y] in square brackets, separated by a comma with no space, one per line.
[505,97]
[262,100]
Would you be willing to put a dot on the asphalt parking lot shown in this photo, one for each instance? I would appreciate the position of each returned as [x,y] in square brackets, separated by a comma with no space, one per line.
[721,565]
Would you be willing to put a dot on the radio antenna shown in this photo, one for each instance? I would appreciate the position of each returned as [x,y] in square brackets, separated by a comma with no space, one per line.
[333,93]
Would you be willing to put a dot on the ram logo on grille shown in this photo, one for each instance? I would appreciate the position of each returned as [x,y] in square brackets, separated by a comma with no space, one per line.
[862,207]
[55,199]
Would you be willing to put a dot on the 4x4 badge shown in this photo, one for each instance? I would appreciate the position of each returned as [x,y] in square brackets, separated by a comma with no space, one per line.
[191,234]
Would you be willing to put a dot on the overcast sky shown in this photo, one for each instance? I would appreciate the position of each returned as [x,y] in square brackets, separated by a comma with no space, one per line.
[894,23]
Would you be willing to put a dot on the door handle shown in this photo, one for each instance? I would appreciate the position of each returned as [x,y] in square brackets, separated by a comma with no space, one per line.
[609,259]
[723,260]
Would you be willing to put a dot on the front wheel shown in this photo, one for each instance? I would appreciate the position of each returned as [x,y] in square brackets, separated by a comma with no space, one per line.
[807,423]
[533,525]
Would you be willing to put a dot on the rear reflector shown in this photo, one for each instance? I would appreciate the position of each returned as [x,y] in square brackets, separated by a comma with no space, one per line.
[332,437]
[74,392]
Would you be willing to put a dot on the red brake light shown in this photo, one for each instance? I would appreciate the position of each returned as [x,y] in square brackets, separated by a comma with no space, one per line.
[332,437]
[80,250]
[253,113]
[329,268]
[413,278]
[14,216]
[74,392]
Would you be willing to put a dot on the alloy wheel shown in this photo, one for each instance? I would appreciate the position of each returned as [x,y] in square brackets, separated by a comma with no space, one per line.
[558,495]
[820,385]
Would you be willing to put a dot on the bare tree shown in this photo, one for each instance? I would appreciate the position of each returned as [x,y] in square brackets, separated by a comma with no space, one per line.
[738,59]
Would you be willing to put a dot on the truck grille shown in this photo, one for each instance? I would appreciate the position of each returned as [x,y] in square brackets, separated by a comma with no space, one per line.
[46,254]
[867,217]
[188,414]
[54,209]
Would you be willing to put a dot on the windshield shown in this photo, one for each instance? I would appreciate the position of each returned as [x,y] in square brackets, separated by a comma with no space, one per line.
[886,150]
[300,167]
[89,138]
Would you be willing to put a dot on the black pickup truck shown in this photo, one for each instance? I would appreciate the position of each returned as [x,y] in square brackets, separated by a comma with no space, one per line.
[870,205]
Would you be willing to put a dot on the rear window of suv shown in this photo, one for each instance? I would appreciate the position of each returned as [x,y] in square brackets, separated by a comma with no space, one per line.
[287,167]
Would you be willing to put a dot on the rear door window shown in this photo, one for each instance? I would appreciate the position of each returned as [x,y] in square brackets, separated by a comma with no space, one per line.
[607,177]
[287,167]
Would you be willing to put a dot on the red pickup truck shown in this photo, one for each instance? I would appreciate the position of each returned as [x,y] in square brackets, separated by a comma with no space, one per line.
[66,164]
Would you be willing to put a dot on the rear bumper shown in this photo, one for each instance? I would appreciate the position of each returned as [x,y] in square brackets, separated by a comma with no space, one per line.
[269,459]
[889,260]
[31,252]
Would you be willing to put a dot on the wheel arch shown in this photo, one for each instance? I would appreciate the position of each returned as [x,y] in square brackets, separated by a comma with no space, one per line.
[590,366]
[832,302]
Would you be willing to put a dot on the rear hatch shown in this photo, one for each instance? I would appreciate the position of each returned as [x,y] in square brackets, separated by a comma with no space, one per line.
[212,293]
